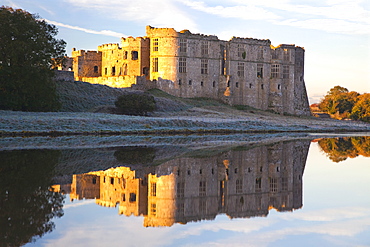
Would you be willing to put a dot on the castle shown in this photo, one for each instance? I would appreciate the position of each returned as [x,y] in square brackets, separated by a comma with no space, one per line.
[238,182]
[241,71]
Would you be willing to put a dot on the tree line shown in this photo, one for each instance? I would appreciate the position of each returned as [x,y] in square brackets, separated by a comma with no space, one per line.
[339,149]
[341,103]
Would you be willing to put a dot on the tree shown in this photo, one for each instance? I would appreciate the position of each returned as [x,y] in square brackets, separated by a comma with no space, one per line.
[27,205]
[338,100]
[339,149]
[27,46]
[135,104]
[361,110]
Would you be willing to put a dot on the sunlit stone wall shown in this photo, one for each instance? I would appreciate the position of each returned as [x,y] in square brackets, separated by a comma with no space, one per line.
[239,183]
[241,71]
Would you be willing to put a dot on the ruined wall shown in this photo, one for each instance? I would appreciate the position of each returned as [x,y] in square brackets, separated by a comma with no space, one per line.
[248,66]
[190,61]
[86,63]
[113,65]
[240,183]
[60,75]
[161,201]
[300,99]
[66,66]
[85,186]
[242,71]
[111,81]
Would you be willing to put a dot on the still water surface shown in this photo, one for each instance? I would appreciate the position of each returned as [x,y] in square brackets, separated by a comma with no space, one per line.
[298,193]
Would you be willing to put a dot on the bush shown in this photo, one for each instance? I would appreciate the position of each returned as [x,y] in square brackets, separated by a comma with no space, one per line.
[135,104]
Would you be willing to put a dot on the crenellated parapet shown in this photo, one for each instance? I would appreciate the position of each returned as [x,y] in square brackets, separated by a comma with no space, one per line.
[110,46]
[250,41]
[80,53]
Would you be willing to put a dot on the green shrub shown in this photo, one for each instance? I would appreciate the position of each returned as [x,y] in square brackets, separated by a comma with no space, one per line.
[135,104]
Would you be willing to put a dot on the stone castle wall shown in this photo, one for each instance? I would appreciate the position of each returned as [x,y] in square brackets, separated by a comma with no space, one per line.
[239,183]
[61,75]
[241,71]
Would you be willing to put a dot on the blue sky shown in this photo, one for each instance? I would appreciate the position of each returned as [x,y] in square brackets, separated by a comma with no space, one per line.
[334,33]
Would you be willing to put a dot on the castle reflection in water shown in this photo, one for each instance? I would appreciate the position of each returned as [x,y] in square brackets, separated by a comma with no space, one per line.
[239,183]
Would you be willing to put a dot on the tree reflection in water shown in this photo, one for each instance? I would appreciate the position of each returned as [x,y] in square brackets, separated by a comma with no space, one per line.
[27,204]
[339,149]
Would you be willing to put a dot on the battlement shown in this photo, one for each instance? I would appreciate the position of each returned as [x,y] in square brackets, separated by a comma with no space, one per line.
[109,46]
[153,31]
[133,39]
[80,53]
[171,32]
[188,34]
[252,41]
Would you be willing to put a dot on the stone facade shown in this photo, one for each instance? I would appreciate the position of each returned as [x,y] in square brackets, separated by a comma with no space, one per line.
[241,71]
[239,183]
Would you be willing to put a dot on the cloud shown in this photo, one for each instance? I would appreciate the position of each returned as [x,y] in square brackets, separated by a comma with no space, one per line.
[328,214]
[329,25]
[161,13]
[102,32]
[335,16]
[78,204]
[12,4]
[244,12]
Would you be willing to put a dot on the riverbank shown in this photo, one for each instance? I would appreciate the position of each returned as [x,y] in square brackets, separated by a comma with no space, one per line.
[206,120]
[86,111]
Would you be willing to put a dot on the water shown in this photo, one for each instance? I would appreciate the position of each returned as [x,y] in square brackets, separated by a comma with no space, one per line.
[297,193]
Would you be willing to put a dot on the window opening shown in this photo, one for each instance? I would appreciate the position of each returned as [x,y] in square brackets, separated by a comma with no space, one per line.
[204,66]
[182,65]
[285,71]
[286,55]
[202,188]
[273,184]
[241,52]
[183,45]
[180,189]
[260,53]
[259,70]
[155,64]
[153,209]
[239,186]
[134,55]
[153,189]
[275,70]
[204,49]
[155,44]
[132,197]
[241,69]
[258,184]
